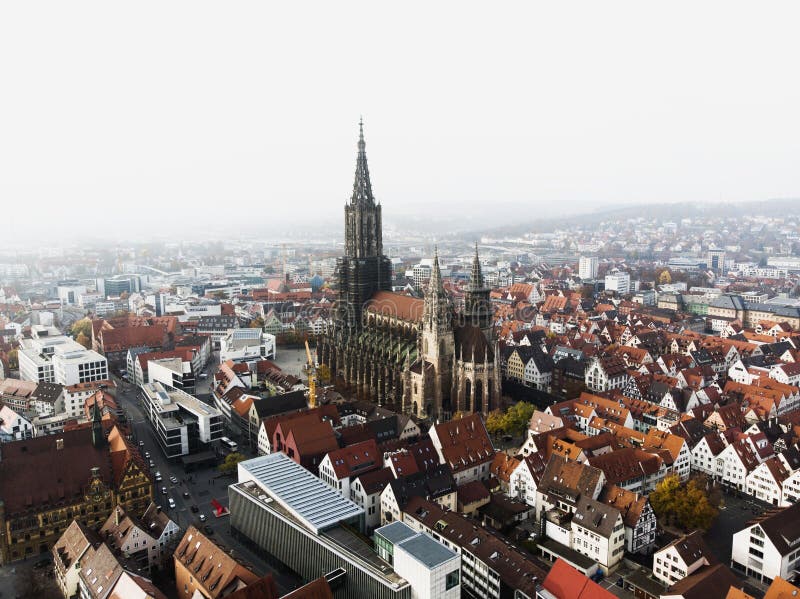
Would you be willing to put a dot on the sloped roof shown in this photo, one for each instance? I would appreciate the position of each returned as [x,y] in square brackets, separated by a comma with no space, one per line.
[396,305]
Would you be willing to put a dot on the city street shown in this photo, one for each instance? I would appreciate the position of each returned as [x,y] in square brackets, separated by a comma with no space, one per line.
[202,486]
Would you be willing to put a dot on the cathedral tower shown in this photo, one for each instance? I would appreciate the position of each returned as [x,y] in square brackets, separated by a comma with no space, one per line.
[437,342]
[477,305]
[363,269]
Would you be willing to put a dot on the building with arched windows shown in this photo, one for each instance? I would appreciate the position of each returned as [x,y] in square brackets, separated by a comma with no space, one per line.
[415,355]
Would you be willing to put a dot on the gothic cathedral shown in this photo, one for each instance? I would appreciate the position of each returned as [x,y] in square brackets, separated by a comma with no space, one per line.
[416,356]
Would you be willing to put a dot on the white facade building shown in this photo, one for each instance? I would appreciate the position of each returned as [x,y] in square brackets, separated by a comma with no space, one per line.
[619,282]
[246,345]
[587,267]
[770,547]
[59,359]
[432,570]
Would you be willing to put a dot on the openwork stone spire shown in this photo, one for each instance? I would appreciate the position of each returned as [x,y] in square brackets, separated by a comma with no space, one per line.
[476,276]
[362,186]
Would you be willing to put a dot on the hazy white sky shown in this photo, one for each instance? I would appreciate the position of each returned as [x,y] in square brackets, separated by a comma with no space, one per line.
[118,114]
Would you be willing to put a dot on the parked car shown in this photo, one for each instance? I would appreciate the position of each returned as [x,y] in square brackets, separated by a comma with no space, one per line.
[152,464]
[158,477]
[173,480]
[147,455]
[141,443]
[208,530]
[186,494]
[194,509]
[202,517]
[163,490]
[171,502]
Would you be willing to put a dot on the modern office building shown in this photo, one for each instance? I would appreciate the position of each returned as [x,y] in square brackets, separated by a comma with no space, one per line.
[432,570]
[117,285]
[618,281]
[175,373]
[48,358]
[246,345]
[182,423]
[587,267]
[306,526]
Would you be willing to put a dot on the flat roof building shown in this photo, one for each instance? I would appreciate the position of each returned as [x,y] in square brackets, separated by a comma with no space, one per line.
[182,423]
[308,527]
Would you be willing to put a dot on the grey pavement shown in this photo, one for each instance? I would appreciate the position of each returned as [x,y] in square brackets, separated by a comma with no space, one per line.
[202,486]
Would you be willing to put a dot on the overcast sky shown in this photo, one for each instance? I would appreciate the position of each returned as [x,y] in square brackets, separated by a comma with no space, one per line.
[118,115]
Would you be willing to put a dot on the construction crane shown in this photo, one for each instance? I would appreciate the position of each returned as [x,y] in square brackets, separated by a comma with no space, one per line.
[312,379]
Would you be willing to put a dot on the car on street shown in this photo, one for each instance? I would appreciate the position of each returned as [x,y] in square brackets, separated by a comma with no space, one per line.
[194,509]
[152,464]
[147,455]
[173,480]
[171,502]
[186,494]
[141,443]
[158,477]
[163,490]
[208,530]
[202,517]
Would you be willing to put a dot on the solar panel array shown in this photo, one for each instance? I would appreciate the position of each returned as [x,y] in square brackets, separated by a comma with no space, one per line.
[312,501]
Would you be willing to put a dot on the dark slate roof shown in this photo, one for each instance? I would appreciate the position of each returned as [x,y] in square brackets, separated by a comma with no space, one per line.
[783,528]
[430,485]
[48,392]
[470,341]
[279,404]
[595,516]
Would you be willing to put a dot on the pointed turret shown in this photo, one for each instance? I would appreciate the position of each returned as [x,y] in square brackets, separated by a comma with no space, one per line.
[435,284]
[98,438]
[477,304]
[476,276]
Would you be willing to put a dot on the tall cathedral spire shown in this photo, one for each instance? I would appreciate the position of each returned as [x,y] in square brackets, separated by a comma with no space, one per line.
[363,235]
[362,186]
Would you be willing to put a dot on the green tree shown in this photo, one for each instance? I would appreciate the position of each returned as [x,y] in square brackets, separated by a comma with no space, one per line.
[663,498]
[84,340]
[324,374]
[689,506]
[518,417]
[496,422]
[82,326]
[228,466]
[13,359]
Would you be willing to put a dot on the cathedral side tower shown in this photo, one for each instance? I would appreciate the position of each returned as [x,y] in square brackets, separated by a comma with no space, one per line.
[437,339]
[477,304]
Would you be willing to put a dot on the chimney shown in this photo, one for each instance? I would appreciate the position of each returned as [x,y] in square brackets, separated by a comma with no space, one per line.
[59,444]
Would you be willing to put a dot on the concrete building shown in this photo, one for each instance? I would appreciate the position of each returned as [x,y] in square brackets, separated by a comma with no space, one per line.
[587,267]
[182,423]
[47,358]
[299,520]
[246,345]
[432,570]
[619,282]
[175,373]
